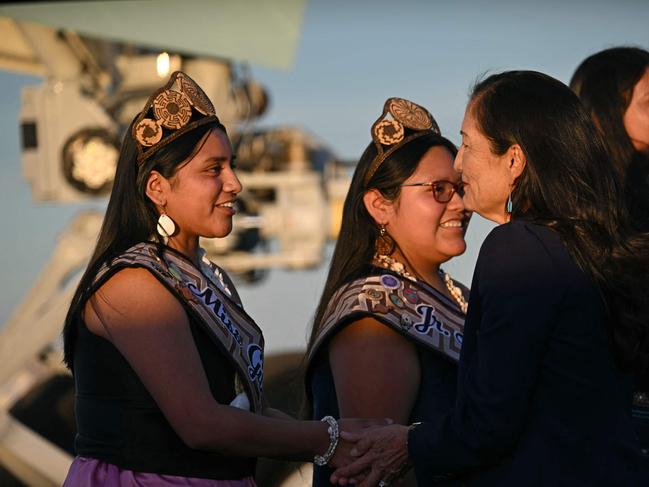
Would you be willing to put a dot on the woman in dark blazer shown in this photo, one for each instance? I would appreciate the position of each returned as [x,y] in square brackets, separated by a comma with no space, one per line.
[558,309]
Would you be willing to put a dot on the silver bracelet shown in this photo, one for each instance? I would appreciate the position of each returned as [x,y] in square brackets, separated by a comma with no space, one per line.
[410,429]
[322,460]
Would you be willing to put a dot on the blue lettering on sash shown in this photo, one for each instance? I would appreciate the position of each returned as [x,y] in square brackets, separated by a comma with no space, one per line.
[212,301]
[256,367]
[429,320]
[458,337]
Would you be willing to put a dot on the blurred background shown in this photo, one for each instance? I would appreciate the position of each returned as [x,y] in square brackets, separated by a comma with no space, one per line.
[298,83]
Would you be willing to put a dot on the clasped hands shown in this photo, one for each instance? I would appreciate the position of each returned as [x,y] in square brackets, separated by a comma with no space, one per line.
[370,454]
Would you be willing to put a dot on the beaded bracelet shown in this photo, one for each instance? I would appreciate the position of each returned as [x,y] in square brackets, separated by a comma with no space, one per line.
[322,460]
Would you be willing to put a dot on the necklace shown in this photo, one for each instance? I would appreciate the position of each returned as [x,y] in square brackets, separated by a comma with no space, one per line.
[456,292]
[397,267]
[211,271]
[394,265]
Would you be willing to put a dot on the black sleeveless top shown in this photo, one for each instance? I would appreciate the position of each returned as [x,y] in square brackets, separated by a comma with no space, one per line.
[119,422]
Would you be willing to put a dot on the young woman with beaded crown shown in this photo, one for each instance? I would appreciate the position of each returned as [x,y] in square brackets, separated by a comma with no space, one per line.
[388,329]
[168,367]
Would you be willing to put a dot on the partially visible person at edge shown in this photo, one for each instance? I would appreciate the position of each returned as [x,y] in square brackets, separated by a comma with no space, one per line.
[613,85]
[168,366]
[388,330]
[557,316]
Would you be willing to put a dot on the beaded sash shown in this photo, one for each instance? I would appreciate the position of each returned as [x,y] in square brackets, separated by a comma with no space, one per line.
[406,306]
[225,321]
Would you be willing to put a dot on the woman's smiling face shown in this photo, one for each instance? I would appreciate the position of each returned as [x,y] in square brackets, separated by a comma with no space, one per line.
[203,191]
[426,230]
[486,176]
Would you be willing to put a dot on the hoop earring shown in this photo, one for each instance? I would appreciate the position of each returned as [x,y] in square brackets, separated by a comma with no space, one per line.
[384,244]
[166,226]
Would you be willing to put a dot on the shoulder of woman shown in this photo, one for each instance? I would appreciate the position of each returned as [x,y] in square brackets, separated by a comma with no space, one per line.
[366,332]
[517,237]
[131,278]
[519,252]
[134,295]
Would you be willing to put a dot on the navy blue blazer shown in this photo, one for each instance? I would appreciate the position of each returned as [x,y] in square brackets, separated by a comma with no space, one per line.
[539,401]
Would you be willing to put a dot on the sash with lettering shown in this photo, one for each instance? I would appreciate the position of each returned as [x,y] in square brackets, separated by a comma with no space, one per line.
[411,308]
[225,321]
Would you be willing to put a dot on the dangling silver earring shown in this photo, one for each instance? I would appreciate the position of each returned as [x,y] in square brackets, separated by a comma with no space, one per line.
[510,207]
[166,226]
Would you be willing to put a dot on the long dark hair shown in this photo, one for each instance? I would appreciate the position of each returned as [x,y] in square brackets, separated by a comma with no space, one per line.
[604,83]
[131,217]
[355,245]
[568,184]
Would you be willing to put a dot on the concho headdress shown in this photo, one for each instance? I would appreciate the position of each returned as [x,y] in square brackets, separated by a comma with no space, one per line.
[389,134]
[176,108]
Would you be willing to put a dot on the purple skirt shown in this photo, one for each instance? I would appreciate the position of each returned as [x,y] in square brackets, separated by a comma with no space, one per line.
[89,472]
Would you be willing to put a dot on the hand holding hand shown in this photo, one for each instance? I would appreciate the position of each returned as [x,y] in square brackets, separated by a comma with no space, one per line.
[380,453]
[343,456]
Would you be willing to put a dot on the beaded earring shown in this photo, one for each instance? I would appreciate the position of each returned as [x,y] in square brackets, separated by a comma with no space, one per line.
[384,244]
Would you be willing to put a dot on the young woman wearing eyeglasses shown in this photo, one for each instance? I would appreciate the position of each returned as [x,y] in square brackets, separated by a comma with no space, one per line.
[388,329]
